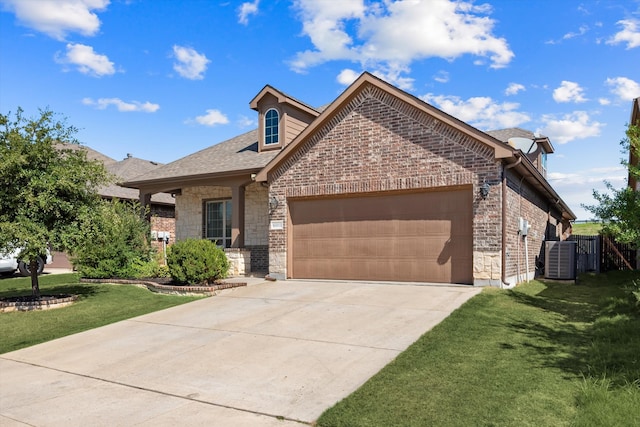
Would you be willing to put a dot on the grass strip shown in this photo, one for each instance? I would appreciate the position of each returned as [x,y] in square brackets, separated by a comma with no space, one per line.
[543,354]
[96,306]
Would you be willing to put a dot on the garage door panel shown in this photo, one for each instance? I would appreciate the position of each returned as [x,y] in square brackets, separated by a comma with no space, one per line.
[406,237]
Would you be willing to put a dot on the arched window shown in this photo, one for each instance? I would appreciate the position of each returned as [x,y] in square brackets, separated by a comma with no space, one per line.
[271,127]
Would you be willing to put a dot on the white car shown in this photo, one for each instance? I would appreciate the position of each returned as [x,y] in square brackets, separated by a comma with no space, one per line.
[10,262]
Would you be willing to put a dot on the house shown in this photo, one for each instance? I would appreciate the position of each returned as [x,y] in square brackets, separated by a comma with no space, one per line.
[161,205]
[379,185]
[634,159]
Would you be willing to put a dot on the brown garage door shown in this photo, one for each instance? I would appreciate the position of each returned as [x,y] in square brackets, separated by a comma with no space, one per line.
[423,237]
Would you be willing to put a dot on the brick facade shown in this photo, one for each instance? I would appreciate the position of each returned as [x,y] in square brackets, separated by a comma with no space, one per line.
[543,217]
[378,143]
[162,219]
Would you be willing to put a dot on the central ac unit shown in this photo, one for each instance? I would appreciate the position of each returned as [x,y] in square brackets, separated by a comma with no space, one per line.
[560,260]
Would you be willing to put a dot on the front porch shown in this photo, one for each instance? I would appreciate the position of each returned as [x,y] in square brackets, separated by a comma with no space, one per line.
[234,214]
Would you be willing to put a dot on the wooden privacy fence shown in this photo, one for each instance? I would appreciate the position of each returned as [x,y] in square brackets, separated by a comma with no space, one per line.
[600,254]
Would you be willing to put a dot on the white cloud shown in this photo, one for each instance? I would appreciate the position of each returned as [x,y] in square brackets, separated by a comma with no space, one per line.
[604,101]
[576,188]
[581,31]
[391,35]
[630,33]
[57,18]
[441,76]
[212,118]
[247,9]
[190,64]
[87,61]
[245,122]
[569,92]
[570,35]
[482,112]
[103,103]
[514,88]
[624,88]
[347,76]
[392,73]
[587,176]
[576,125]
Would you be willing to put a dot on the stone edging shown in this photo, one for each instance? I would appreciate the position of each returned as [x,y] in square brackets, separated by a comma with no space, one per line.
[169,289]
[7,306]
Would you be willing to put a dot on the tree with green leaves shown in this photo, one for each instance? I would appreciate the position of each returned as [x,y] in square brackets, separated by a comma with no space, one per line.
[620,209]
[114,242]
[47,185]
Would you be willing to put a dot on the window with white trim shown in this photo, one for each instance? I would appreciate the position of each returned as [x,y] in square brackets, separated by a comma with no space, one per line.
[271,127]
[217,222]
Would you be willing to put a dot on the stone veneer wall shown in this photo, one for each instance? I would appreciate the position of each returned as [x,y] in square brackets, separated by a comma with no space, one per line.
[256,217]
[189,212]
[189,222]
[239,261]
[189,209]
[379,143]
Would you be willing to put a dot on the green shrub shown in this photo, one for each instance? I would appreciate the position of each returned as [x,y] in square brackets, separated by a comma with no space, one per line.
[197,261]
[114,241]
[162,271]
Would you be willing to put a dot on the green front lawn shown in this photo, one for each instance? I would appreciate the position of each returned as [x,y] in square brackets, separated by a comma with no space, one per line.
[543,354]
[97,305]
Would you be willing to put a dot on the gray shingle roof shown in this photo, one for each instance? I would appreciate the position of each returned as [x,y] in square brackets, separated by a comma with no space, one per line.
[128,169]
[124,170]
[504,134]
[91,153]
[236,154]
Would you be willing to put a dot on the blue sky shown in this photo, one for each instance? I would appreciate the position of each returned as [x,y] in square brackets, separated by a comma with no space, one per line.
[162,79]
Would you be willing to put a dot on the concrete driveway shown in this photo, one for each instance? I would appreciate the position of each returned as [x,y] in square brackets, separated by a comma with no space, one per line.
[271,354]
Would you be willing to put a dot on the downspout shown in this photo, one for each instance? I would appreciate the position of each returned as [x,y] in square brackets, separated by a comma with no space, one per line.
[504,284]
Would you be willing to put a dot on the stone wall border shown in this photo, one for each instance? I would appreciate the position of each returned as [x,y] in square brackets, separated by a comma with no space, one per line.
[44,304]
[170,289]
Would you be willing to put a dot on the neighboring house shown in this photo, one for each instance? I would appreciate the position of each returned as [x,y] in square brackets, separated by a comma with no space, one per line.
[379,185]
[161,205]
[634,159]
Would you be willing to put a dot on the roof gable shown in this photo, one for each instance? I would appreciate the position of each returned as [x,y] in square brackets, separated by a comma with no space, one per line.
[282,98]
[362,83]
[505,135]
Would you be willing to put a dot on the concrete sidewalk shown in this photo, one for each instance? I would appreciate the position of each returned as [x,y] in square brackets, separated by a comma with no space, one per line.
[272,354]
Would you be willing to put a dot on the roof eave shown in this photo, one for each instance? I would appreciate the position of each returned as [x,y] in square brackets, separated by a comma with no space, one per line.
[546,144]
[535,178]
[173,183]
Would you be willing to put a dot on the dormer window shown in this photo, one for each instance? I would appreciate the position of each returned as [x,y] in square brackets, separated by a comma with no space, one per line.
[543,162]
[271,127]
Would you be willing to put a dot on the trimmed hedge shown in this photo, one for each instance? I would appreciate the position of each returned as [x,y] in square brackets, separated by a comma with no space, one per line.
[197,261]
